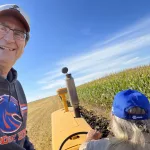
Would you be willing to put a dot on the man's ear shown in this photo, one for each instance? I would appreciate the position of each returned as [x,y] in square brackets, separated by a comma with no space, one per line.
[26,43]
[27,39]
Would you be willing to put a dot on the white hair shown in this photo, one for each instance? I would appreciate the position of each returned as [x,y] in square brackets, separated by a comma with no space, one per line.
[130,134]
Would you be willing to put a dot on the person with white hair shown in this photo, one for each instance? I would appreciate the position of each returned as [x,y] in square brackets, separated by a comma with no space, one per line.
[130,124]
[14,35]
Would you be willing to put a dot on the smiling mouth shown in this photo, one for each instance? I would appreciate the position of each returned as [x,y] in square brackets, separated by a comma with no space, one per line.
[6,48]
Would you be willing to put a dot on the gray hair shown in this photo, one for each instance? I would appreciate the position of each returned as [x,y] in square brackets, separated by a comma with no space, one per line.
[130,134]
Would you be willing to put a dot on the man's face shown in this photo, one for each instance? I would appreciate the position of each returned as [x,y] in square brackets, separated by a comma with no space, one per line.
[10,48]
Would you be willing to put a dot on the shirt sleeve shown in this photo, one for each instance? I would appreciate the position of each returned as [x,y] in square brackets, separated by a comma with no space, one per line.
[101,144]
[83,146]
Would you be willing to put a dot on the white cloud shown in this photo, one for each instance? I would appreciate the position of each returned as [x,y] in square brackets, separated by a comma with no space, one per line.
[50,76]
[54,84]
[138,28]
[121,51]
[133,60]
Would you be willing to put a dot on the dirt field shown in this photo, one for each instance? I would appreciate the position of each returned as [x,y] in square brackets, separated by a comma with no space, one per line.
[39,121]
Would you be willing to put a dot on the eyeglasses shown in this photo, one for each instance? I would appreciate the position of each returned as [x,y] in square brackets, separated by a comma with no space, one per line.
[19,35]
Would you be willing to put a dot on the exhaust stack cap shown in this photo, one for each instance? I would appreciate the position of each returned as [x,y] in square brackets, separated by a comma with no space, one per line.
[64,70]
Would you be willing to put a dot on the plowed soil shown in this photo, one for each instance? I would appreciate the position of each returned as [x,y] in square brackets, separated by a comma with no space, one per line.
[98,123]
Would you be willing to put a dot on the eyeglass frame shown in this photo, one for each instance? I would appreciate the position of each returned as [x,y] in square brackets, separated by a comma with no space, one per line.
[26,35]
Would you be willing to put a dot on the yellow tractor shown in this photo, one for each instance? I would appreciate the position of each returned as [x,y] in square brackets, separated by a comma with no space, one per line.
[69,128]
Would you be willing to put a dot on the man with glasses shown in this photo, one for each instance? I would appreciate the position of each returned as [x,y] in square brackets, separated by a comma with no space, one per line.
[14,35]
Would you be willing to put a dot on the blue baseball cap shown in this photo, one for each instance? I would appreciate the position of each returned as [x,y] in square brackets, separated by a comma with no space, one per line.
[127,99]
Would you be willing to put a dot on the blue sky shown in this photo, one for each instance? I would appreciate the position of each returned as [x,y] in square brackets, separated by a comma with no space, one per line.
[93,38]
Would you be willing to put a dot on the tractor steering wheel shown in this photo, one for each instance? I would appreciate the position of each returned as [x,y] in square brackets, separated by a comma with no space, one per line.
[70,136]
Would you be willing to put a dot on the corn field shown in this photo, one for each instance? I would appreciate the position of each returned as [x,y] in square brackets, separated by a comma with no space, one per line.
[101,92]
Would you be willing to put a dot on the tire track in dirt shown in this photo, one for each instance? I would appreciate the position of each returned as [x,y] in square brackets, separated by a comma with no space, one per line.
[39,121]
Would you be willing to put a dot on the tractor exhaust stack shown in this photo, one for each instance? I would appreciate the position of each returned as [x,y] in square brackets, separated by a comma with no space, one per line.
[72,92]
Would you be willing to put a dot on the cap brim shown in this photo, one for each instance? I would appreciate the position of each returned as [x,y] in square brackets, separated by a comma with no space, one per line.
[18,15]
